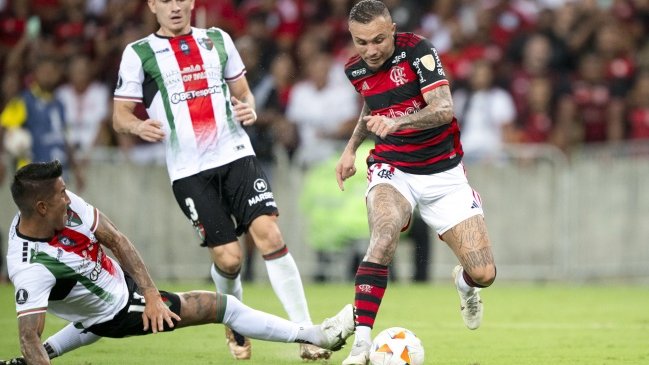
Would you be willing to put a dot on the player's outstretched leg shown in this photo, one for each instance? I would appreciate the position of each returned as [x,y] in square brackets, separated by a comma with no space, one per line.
[470,302]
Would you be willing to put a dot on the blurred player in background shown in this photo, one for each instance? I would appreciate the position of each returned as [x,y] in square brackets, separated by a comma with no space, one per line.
[416,162]
[192,82]
[57,263]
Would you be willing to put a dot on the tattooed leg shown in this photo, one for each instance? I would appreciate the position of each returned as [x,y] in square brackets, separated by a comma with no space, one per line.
[470,243]
[388,211]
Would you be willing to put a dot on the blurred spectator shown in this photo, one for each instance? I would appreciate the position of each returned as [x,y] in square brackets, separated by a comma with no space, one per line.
[325,111]
[486,114]
[86,103]
[39,112]
[537,121]
[591,112]
[638,115]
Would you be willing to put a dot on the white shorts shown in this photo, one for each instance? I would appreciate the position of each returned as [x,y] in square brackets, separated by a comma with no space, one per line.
[444,199]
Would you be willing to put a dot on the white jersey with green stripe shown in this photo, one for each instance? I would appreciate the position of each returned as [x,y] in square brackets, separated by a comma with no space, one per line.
[182,82]
[68,275]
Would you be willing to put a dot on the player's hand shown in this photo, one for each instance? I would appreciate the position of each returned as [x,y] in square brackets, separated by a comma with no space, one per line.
[345,168]
[156,313]
[381,125]
[149,130]
[244,113]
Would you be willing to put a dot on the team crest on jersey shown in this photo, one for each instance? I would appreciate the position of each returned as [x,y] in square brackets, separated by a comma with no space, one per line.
[73,219]
[66,241]
[206,43]
[21,296]
[398,75]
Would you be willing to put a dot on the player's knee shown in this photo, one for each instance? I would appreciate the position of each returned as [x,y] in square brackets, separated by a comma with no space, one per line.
[228,267]
[484,276]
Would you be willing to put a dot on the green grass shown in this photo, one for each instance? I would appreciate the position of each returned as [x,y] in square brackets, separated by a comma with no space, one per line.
[523,324]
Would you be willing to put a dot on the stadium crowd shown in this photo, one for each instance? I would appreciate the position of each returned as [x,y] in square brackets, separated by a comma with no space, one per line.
[572,72]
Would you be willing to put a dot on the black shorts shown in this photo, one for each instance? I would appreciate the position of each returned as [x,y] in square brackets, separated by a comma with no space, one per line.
[128,322]
[223,201]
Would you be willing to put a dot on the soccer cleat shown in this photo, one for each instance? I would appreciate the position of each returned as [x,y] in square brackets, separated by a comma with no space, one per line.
[470,304]
[16,361]
[313,352]
[360,354]
[337,328]
[239,346]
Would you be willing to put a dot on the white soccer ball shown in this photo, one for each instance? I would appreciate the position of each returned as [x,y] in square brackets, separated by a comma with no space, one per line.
[18,142]
[396,346]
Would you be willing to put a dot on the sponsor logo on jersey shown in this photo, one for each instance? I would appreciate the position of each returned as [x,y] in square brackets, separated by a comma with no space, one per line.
[166,49]
[399,57]
[206,43]
[438,63]
[260,185]
[359,72]
[184,47]
[192,94]
[416,106]
[365,86]
[398,75]
[260,197]
[21,296]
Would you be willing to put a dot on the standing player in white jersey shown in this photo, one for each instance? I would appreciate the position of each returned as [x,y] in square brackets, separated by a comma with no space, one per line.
[57,263]
[192,82]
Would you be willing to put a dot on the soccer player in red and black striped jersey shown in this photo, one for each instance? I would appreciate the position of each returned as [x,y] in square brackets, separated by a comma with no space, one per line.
[416,162]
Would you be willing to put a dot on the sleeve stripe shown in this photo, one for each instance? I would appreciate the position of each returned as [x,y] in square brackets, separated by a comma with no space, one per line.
[95,222]
[127,98]
[31,311]
[433,86]
[240,75]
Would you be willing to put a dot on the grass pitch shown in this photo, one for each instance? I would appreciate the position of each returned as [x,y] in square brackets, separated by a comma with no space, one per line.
[543,324]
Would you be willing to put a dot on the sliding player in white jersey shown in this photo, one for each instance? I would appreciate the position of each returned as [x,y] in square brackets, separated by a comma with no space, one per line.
[56,262]
[192,82]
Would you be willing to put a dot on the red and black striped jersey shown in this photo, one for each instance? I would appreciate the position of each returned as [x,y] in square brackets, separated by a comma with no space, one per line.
[396,89]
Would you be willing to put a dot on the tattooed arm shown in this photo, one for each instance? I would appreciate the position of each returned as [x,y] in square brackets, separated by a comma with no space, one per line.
[439,111]
[30,328]
[155,311]
[346,165]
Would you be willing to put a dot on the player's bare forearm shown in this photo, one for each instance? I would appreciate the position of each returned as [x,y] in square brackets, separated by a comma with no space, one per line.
[439,111]
[124,119]
[30,328]
[130,259]
[360,132]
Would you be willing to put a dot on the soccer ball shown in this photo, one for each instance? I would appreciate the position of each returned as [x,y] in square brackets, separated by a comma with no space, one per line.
[18,142]
[396,346]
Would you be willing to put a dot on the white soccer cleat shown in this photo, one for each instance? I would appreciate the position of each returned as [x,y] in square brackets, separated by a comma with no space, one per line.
[337,328]
[470,304]
[360,354]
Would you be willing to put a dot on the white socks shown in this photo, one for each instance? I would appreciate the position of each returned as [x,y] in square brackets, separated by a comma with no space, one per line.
[68,339]
[264,326]
[462,284]
[227,285]
[287,284]
[363,333]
